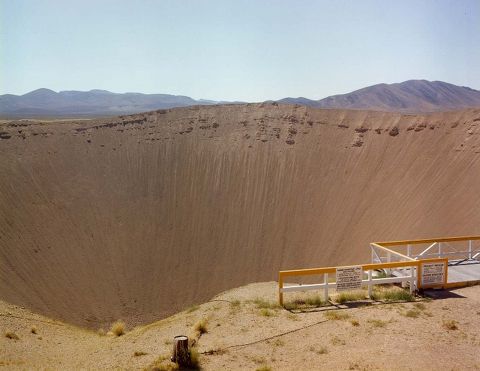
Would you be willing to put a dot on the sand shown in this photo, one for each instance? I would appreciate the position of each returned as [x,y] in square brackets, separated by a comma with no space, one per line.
[387,336]
[141,216]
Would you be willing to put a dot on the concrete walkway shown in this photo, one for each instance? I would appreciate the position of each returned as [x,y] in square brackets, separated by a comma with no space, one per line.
[463,271]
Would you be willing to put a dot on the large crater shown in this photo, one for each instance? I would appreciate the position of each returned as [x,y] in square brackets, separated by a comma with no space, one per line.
[140,216]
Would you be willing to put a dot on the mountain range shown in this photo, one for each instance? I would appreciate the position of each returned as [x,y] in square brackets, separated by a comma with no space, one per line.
[409,96]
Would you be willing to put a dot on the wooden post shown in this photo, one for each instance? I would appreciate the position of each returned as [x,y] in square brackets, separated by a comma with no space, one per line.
[181,354]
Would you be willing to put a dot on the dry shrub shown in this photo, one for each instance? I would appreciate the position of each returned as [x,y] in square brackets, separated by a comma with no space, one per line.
[355,323]
[450,324]
[118,328]
[11,335]
[34,330]
[201,326]
[139,353]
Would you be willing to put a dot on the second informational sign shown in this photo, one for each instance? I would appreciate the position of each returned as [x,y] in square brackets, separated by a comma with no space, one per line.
[433,274]
[349,278]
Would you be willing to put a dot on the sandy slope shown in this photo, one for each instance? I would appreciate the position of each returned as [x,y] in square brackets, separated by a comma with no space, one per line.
[387,336]
[141,216]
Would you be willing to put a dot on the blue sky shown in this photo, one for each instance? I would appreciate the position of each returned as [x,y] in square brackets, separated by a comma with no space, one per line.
[235,50]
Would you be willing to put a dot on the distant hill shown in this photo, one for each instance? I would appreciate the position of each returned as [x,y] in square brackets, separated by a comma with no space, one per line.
[46,102]
[408,96]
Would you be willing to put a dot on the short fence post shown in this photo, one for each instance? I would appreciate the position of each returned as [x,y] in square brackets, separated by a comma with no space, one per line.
[325,289]
[409,251]
[370,275]
[470,249]
[439,249]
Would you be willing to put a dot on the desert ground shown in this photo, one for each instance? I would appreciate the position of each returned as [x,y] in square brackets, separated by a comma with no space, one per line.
[139,217]
[243,329]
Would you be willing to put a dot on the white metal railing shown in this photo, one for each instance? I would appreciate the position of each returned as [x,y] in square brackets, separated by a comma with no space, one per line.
[457,249]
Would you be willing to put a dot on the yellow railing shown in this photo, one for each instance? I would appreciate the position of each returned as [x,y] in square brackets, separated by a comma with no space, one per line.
[386,258]
[429,240]
[366,268]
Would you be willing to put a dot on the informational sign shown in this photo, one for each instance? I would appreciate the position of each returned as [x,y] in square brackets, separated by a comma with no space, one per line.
[433,274]
[349,278]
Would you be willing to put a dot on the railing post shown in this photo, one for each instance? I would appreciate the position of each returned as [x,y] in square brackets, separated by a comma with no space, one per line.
[439,249]
[373,254]
[409,250]
[389,260]
[370,275]
[470,249]
[412,279]
[325,289]
[280,287]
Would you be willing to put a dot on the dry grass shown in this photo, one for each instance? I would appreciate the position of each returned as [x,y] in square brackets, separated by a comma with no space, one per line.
[321,350]
[337,341]
[194,359]
[139,353]
[412,313]
[377,323]
[278,343]
[336,315]
[193,308]
[309,301]
[34,330]
[391,293]
[264,304]
[420,306]
[201,326]
[346,296]
[266,312]
[355,323]
[118,328]
[11,335]
[166,366]
[450,324]
[163,363]
[264,368]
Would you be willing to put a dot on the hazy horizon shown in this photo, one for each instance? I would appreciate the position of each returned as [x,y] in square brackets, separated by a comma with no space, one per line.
[245,51]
